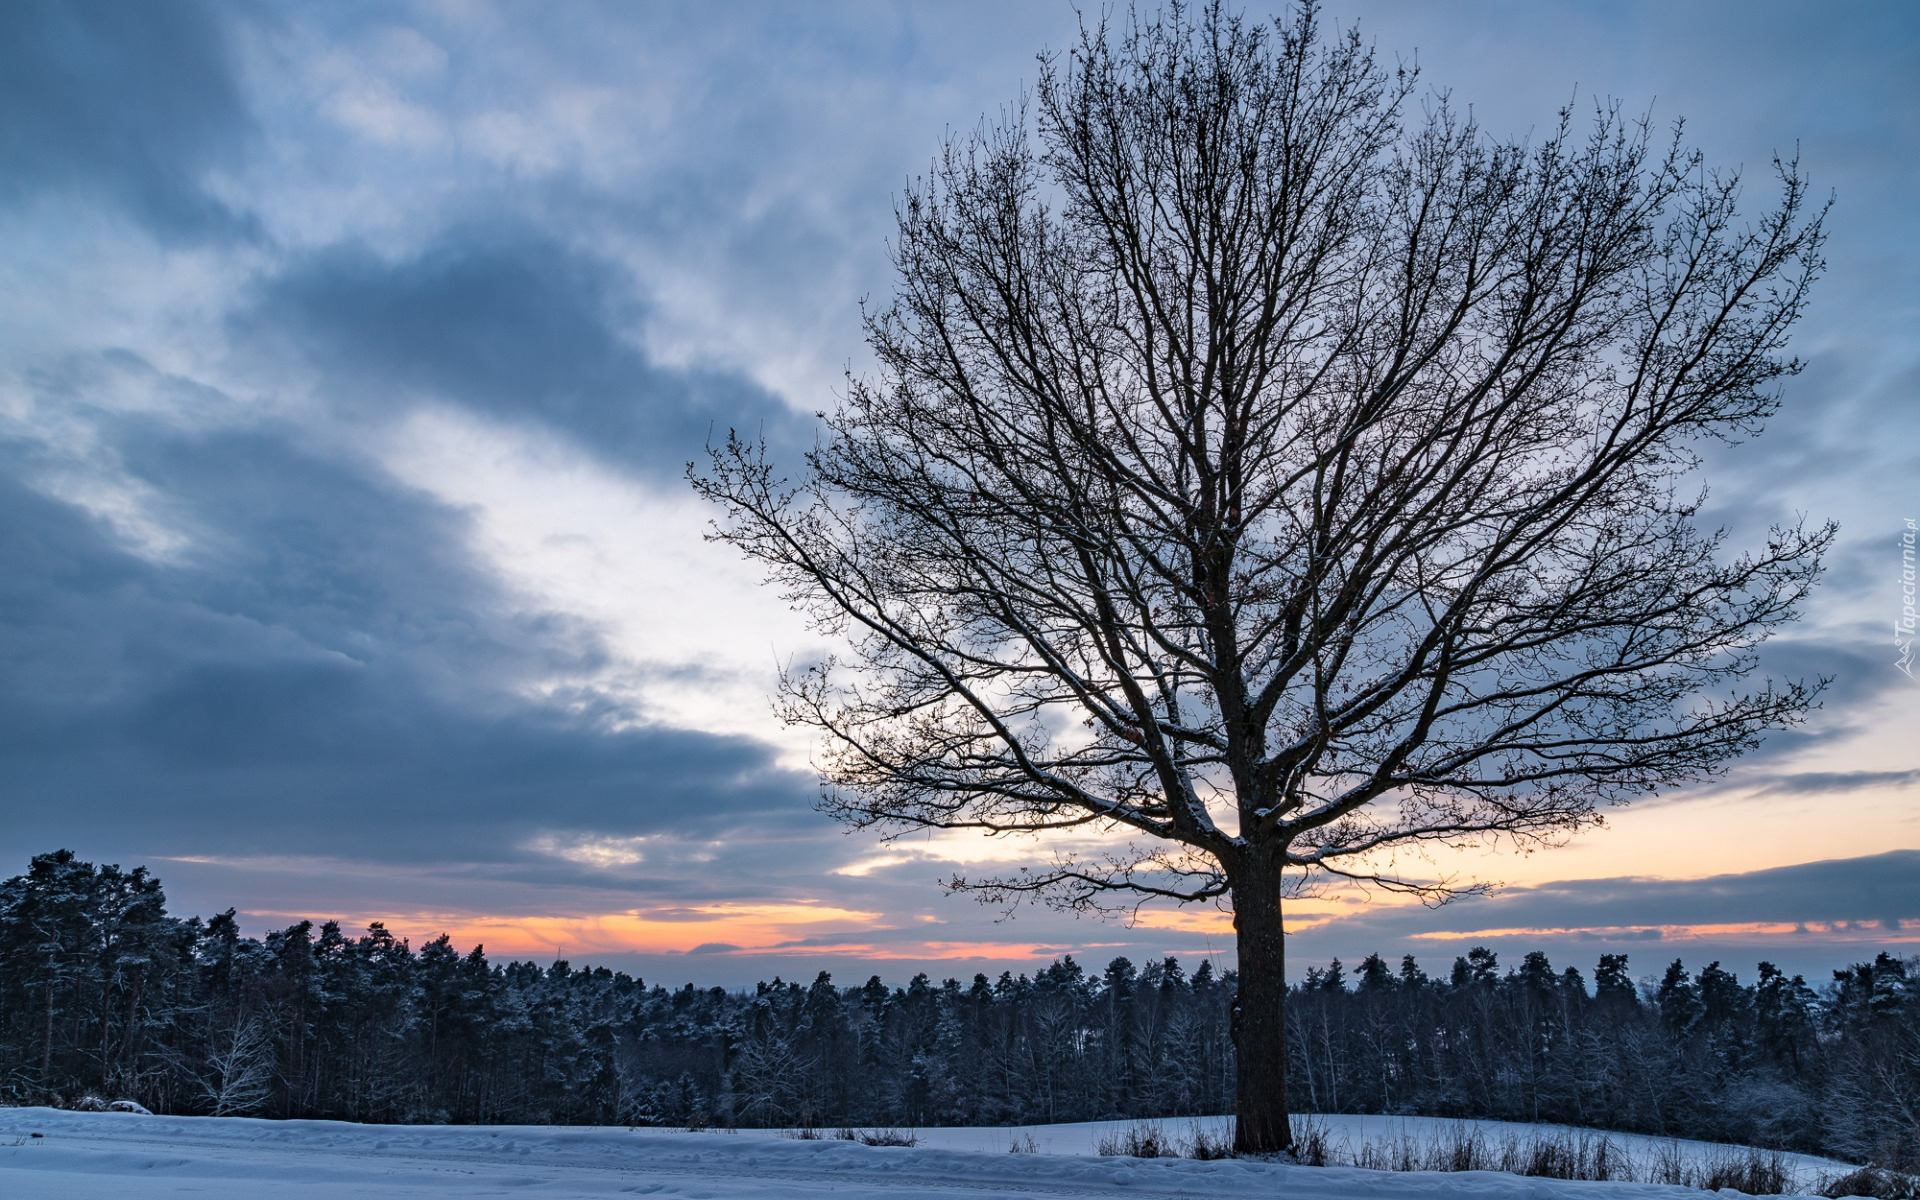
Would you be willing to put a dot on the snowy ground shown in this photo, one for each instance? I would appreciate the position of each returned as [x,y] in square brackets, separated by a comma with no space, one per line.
[95,1156]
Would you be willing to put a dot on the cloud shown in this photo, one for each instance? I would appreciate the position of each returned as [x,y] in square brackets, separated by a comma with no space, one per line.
[1805,783]
[513,325]
[123,100]
[1818,902]
[325,669]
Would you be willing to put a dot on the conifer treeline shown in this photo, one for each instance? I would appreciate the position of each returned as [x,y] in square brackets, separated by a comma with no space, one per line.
[102,993]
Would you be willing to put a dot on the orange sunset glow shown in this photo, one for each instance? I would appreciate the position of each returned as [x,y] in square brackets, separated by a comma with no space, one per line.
[672,929]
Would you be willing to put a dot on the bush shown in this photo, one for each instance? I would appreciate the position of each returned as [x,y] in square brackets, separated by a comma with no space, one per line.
[1882,1183]
[1142,1140]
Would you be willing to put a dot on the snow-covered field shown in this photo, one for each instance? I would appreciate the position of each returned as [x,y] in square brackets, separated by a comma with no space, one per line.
[95,1156]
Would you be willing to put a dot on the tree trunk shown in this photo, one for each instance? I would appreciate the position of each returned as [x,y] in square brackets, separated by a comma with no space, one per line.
[1259,1016]
[46,1044]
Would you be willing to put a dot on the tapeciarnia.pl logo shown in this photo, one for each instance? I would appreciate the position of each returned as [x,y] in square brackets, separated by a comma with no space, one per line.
[1903,628]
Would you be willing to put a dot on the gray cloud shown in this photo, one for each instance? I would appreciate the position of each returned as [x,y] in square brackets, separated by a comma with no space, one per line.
[333,675]
[1883,886]
[513,325]
[1806,783]
[122,100]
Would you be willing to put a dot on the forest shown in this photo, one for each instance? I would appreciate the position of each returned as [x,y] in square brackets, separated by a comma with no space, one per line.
[105,996]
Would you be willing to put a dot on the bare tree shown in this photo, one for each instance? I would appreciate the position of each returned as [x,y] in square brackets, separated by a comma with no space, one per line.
[241,1059]
[1265,475]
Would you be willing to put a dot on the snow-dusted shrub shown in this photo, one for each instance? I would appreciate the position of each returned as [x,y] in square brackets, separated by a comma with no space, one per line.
[1880,1183]
[1144,1139]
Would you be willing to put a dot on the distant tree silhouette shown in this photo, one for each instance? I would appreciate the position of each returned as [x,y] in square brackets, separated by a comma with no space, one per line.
[101,999]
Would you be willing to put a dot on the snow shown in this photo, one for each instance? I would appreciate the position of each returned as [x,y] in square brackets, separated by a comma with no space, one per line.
[126,1156]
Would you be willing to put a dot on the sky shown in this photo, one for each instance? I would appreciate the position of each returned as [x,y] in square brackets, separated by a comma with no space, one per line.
[351,356]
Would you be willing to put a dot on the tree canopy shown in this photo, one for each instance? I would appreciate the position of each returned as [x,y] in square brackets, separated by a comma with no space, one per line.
[1264,474]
